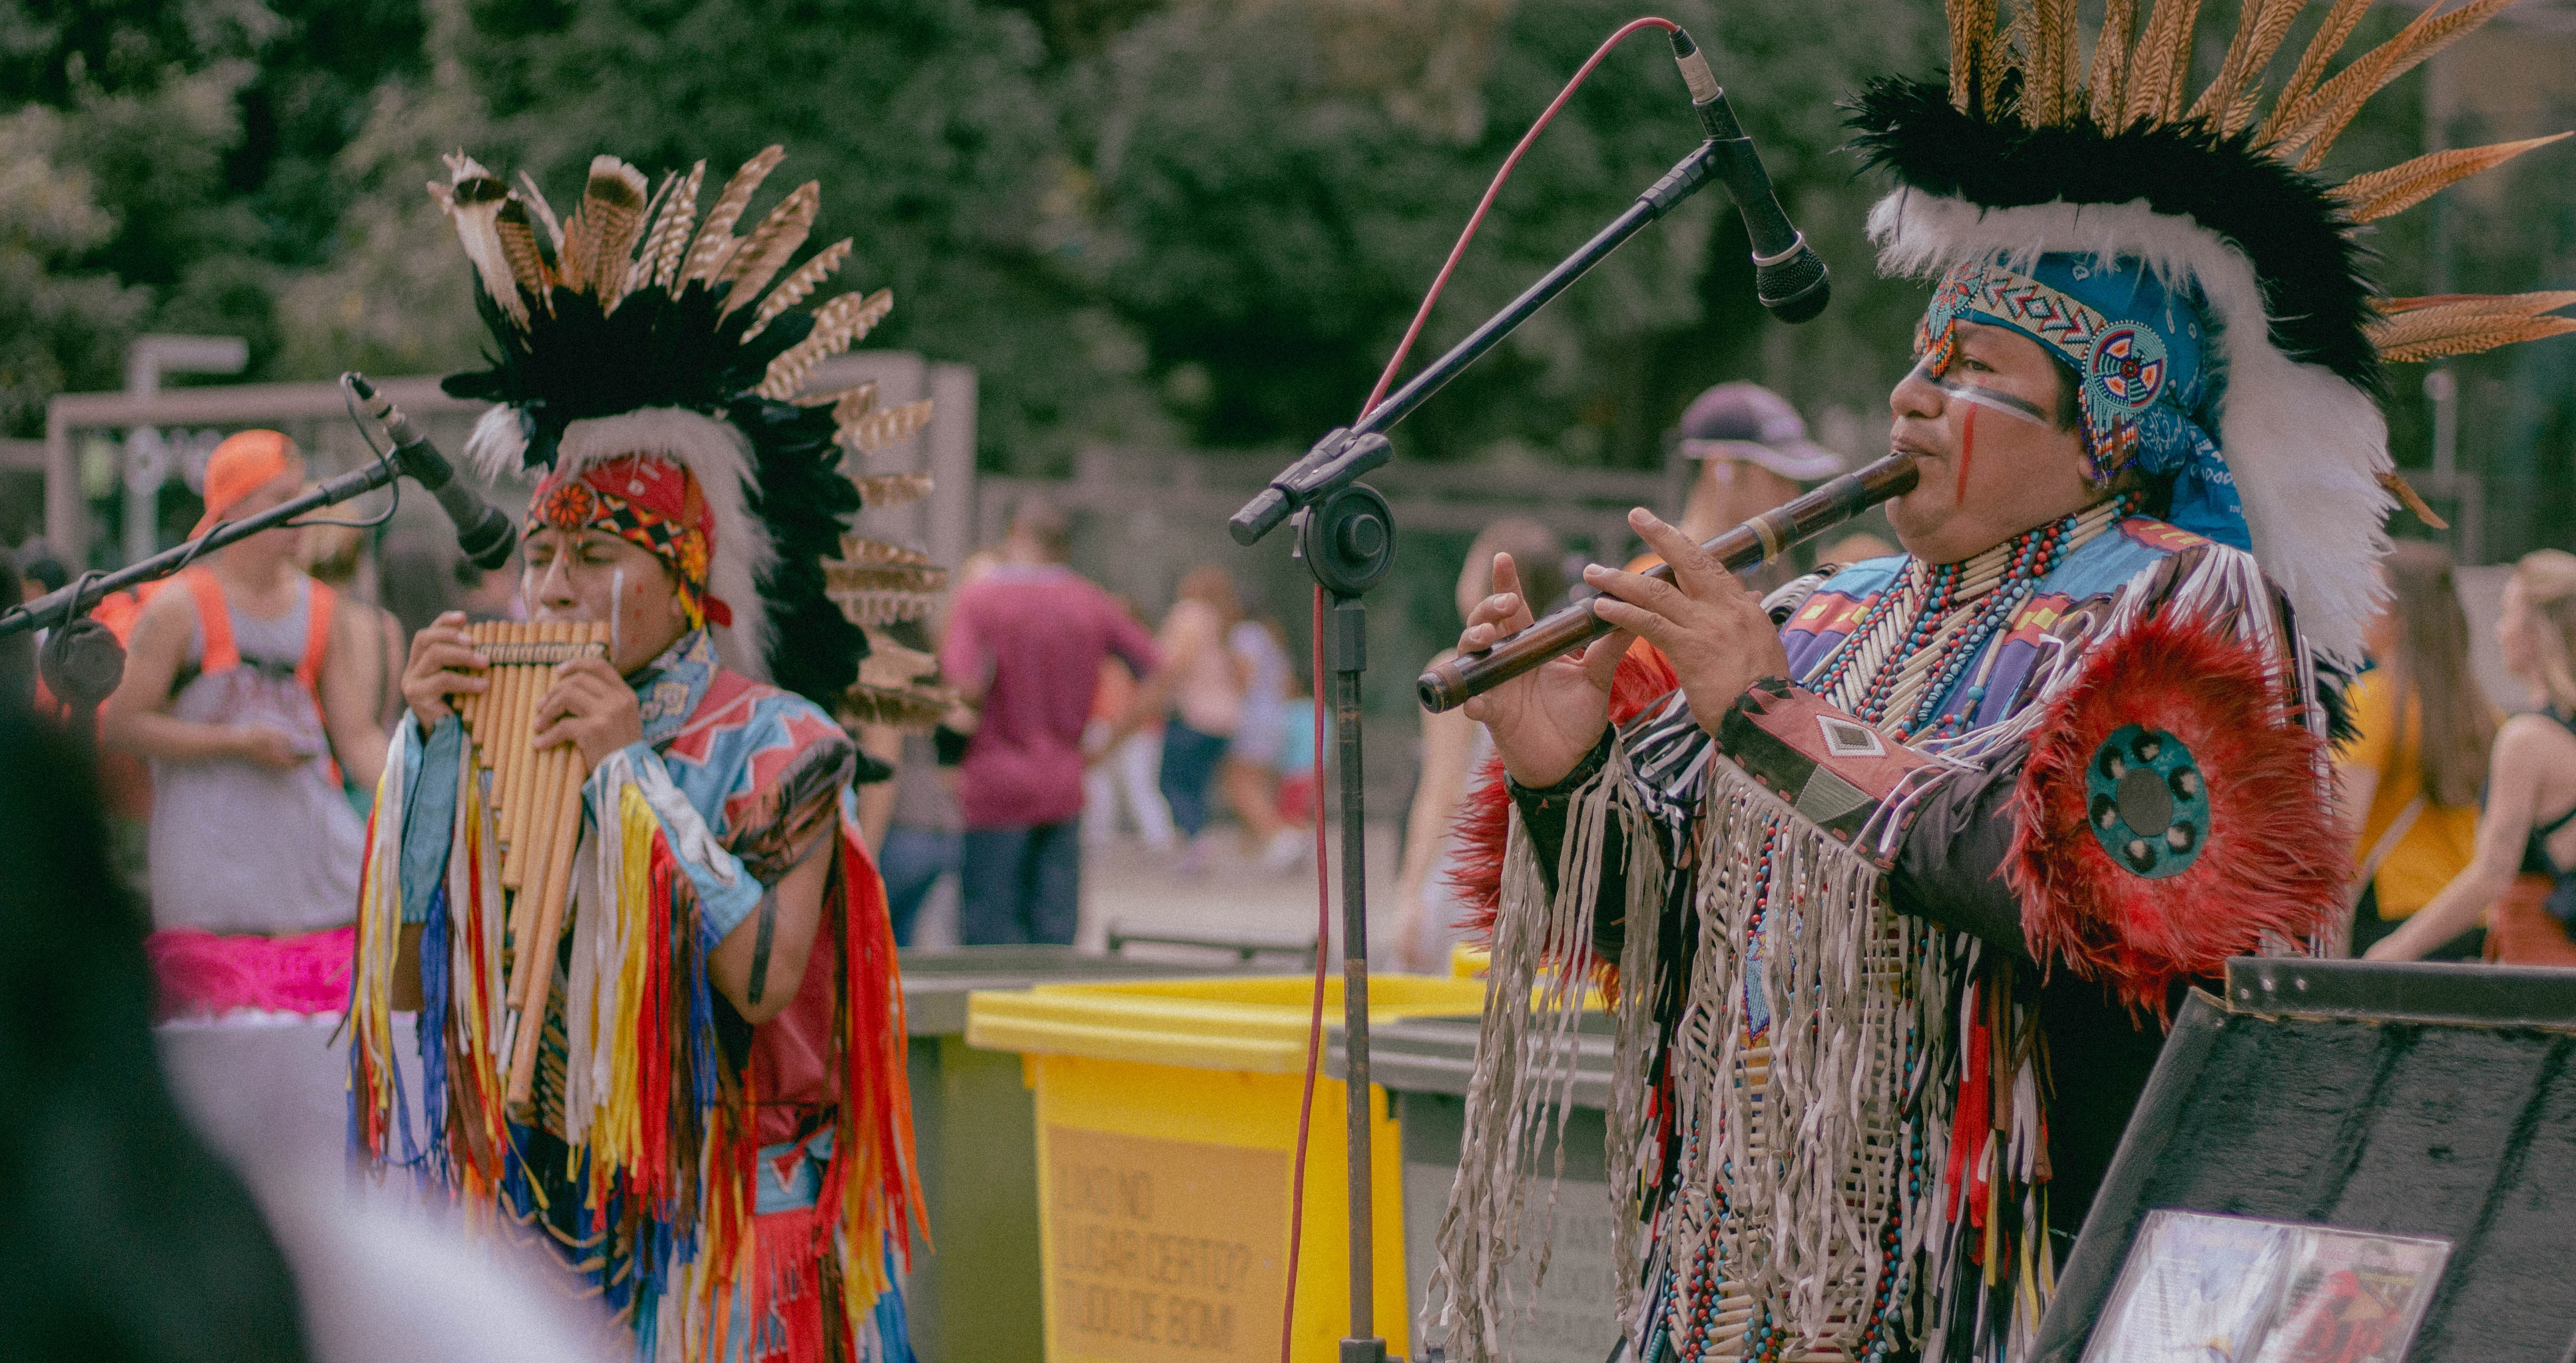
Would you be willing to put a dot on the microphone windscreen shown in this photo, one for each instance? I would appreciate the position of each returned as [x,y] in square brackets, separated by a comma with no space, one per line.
[1796,289]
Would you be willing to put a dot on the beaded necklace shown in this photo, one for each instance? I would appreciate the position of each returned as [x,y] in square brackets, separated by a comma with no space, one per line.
[1919,637]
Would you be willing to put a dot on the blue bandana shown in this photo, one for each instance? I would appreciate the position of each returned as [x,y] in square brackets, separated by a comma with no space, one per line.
[2139,353]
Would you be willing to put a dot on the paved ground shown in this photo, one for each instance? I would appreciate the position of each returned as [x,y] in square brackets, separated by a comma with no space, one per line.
[1138,891]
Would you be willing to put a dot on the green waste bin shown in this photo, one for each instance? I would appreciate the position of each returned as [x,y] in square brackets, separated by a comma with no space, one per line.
[976,1299]
[1424,1065]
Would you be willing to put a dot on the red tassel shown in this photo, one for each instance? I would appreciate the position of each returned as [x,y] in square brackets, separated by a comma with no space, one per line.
[1975,1109]
[2271,861]
[786,1297]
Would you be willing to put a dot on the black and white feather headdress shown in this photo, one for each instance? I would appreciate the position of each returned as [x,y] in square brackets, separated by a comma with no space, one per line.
[2028,152]
[633,327]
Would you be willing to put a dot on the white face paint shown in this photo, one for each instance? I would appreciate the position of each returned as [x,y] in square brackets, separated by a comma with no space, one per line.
[1993,400]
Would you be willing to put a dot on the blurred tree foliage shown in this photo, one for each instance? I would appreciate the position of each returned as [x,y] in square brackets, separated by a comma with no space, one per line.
[1202,222]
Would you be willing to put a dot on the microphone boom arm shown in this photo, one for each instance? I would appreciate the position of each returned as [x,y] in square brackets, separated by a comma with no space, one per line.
[1331,465]
[88,590]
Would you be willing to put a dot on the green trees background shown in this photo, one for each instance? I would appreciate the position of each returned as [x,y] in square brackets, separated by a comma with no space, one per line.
[1178,222]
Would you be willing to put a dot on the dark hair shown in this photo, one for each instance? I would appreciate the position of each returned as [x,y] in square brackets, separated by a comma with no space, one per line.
[2070,395]
[2430,675]
[127,1238]
[1045,525]
[36,561]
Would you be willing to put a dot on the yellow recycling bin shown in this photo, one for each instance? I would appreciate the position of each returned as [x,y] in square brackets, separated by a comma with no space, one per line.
[1167,1128]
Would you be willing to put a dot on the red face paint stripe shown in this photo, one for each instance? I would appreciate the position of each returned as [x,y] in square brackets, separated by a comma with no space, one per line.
[1967,453]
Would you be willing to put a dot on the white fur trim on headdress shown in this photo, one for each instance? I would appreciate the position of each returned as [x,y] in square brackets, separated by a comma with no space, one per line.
[716,454]
[2306,448]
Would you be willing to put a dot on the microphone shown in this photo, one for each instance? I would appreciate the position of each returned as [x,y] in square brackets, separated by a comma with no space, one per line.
[482,531]
[1787,276]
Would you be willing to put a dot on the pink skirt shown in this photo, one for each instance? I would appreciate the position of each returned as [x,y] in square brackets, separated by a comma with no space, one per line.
[204,975]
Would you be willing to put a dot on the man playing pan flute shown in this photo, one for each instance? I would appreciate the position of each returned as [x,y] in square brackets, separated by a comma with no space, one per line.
[1895,879]
[716,1131]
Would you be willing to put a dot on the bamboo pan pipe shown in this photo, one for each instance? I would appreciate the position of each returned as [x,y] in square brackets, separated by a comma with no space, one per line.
[536,794]
[1452,683]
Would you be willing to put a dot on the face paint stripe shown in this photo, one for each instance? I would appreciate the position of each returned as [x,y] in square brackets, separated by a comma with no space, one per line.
[1967,455]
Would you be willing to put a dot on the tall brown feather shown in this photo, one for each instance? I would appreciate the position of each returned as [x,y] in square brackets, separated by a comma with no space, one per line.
[769,246]
[888,661]
[2261,26]
[793,289]
[2383,193]
[715,241]
[545,212]
[2339,100]
[518,237]
[2161,65]
[670,235]
[2048,68]
[2425,328]
[1994,57]
[2331,35]
[882,577]
[601,235]
[1964,39]
[2110,61]
[860,550]
[473,203]
[884,607]
[872,433]
[886,491]
[639,271]
[837,325]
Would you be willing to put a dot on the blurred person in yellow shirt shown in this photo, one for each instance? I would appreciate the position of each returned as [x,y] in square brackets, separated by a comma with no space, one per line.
[2412,782]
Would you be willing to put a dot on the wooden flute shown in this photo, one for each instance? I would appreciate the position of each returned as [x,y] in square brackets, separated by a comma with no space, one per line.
[1450,684]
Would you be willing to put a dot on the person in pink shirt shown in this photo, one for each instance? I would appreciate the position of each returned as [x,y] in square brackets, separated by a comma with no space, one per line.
[1025,643]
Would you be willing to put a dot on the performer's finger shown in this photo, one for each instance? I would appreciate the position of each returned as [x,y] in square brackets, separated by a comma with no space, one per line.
[1507,582]
[1693,568]
[453,683]
[1493,618]
[453,655]
[1636,620]
[1637,589]
[596,669]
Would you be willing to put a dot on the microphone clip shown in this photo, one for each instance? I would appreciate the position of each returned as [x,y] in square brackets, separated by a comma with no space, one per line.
[1333,463]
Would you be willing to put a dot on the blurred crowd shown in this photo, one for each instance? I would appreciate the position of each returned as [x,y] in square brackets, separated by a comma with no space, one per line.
[240,750]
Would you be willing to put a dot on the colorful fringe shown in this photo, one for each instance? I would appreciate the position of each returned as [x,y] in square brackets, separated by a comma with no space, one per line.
[653,1198]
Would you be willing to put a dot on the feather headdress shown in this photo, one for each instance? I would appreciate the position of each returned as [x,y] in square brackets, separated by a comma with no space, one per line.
[634,326]
[2028,153]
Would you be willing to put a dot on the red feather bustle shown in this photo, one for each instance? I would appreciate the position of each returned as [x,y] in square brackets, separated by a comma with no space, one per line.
[1481,831]
[2273,862]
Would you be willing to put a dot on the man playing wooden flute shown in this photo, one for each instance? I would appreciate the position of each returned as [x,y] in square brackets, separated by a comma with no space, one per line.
[1896,879]
[717,1132]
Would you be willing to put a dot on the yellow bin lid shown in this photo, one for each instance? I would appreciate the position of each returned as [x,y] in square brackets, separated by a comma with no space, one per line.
[1255,1024]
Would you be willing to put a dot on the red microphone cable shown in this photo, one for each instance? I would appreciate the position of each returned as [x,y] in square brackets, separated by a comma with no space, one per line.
[1323,864]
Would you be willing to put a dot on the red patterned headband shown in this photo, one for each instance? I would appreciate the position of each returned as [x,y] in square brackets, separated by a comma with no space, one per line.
[648,501]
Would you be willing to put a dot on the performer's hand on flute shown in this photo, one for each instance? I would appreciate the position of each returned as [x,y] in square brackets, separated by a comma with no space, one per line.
[1707,622]
[590,707]
[444,662]
[1546,719]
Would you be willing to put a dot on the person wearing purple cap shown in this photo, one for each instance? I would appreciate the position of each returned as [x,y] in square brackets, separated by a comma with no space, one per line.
[1753,454]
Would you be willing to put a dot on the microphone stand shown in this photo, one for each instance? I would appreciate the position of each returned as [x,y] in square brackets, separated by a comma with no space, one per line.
[82,662]
[1346,536]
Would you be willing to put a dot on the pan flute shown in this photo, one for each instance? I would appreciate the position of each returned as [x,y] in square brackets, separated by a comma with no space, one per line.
[535,797]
